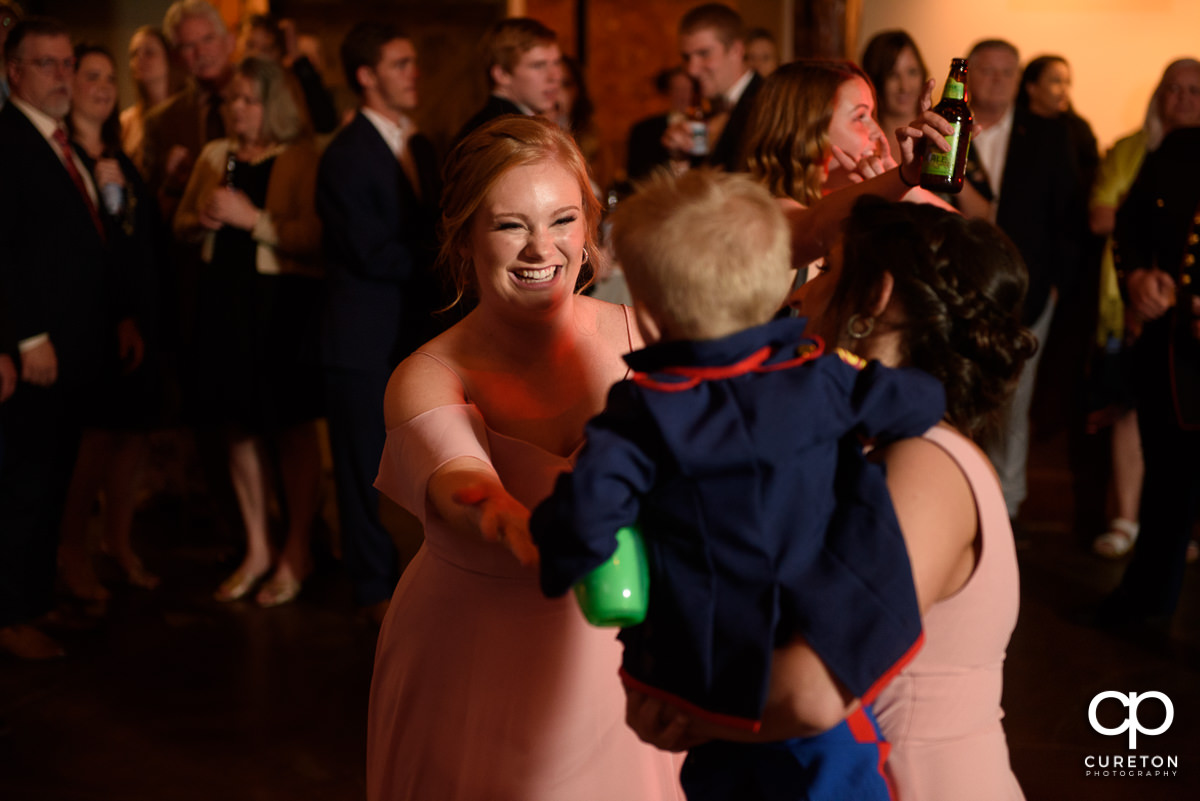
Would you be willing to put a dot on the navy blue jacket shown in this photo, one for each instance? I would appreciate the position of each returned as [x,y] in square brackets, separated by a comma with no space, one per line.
[742,460]
[379,249]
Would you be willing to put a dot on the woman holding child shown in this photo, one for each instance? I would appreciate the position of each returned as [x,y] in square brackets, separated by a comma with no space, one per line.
[910,285]
[482,687]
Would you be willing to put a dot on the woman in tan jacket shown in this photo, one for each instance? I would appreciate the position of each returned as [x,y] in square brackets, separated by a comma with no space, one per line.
[249,203]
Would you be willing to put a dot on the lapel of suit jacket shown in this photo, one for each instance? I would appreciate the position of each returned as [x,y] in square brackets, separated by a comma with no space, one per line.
[47,166]
[382,154]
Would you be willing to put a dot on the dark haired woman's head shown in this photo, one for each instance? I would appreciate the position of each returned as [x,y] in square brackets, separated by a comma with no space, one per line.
[94,93]
[918,286]
[153,59]
[894,64]
[263,37]
[1046,87]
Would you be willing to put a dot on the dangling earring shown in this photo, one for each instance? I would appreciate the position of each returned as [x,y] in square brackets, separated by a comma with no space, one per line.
[859,327]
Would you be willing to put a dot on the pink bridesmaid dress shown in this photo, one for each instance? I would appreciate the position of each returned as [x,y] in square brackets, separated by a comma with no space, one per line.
[483,689]
[942,713]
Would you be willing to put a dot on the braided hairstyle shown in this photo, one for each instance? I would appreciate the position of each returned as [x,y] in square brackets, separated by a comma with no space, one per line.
[959,285]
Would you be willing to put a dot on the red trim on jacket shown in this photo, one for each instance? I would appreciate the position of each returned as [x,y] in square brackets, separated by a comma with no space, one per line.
[864,732]
[754,363]
[901,663]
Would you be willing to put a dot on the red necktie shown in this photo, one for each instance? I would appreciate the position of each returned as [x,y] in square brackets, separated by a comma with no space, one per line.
[60,136]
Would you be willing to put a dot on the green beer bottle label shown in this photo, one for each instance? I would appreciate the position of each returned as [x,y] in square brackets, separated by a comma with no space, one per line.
[954,90]
[942,164]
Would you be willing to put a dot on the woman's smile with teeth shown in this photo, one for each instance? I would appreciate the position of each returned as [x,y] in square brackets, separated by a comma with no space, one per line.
[542,274]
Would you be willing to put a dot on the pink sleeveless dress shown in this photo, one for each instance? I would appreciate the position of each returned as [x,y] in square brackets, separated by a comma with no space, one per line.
[483,689]
[942,713]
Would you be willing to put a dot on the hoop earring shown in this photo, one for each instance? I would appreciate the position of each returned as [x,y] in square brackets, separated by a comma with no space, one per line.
[859,327]
[585,256]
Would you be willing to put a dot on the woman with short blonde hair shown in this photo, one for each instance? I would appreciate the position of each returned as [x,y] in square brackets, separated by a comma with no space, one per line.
[254,375]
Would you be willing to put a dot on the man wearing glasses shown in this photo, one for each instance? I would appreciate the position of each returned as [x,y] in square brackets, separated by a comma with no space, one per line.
[53,281]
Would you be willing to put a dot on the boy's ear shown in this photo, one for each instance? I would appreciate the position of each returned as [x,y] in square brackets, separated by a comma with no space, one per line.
[883,295]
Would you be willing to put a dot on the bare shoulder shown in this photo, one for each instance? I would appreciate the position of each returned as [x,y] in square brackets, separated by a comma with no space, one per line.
[613,322]
[936,509]
[424,381]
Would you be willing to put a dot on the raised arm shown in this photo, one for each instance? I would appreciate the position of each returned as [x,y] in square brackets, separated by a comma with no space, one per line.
[815,228]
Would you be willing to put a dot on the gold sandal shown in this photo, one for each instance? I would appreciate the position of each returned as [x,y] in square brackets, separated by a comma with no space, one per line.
[277,591]
[238,585]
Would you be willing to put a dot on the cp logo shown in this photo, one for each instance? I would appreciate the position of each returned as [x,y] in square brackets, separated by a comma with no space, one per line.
[1131,722]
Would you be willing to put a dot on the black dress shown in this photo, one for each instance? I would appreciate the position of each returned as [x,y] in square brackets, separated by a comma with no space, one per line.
[257,349]
[135,245]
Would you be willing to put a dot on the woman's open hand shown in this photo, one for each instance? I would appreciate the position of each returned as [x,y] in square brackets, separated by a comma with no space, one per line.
[877,162]
[501,518]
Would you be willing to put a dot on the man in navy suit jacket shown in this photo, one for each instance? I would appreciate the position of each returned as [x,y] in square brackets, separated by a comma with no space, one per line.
[524,71]
[377,194]
[54,280]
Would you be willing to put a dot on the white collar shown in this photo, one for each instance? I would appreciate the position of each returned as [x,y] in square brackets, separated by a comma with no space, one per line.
[396,135]
[45,124]
[738,89]
[1002,128]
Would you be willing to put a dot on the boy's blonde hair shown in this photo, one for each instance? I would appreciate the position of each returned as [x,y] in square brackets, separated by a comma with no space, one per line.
[707,254]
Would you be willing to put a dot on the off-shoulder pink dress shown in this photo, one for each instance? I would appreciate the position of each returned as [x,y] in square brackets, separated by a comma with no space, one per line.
[942,714]
[483,689]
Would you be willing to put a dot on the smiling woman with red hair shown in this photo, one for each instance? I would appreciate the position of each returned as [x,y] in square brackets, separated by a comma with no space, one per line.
[482,687]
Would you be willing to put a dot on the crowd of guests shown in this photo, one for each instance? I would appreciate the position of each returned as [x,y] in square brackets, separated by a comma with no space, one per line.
[204,259]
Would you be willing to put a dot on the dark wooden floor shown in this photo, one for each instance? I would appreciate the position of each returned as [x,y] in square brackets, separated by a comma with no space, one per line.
[170,695]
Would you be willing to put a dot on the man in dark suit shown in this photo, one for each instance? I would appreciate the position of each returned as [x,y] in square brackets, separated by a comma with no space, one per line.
[1032,192]
[712,41]
[54,280]
[179,127]
[524,71]
[1157,246]
[377,195]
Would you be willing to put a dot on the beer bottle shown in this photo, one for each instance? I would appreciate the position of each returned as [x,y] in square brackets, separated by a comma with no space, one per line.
[943,172]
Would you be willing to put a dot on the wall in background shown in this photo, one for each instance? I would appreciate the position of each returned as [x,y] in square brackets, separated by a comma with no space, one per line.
[1117,48]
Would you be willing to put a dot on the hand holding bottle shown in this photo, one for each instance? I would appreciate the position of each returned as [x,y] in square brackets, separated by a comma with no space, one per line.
[928,129]
[943,171]
[112,185]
